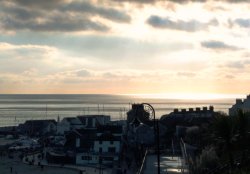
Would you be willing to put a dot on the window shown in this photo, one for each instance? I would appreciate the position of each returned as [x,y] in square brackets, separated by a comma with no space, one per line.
[86,158]
[108,158]
[111,149]
[100,150]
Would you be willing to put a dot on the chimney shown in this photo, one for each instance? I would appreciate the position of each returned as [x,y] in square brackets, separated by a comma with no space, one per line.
[198,109]
[137,106]
[183,110]
[211,108]
[204,108]
[175,110]
[238,101]
[191,109]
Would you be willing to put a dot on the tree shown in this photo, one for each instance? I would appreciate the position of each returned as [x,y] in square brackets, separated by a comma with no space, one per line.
[207,160]
[243,123]
[224,128]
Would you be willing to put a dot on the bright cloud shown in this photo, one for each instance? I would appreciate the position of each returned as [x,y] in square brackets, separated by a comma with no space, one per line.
[145,46]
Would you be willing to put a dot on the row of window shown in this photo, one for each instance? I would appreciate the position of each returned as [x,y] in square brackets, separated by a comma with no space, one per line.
[110,149]
[111,142]
[103,158]
[86,158]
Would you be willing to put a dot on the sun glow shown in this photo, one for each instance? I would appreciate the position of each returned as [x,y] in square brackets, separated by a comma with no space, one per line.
[190,96]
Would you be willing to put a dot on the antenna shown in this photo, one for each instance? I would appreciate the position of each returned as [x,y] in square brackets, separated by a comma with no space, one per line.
[15,121]
[124,113]
[120,113]
[46,112]
[103,109]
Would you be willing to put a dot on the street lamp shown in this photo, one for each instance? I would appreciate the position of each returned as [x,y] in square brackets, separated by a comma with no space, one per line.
[151,111]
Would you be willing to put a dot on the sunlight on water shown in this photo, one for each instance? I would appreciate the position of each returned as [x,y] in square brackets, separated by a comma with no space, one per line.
[15,109]
[190,96]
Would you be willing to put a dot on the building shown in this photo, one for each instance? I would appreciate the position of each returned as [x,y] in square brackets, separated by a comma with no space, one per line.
[68,124]
[144,135]
[96,146]
[241,104]
[190,117]
[38,127]
[138,115]
[92,121]
[81,121]
[140,127]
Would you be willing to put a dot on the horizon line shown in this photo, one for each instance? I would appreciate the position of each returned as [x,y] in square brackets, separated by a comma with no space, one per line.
[177,96]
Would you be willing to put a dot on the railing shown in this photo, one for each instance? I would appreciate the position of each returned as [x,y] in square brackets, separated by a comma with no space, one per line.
[143,164]
[183,149]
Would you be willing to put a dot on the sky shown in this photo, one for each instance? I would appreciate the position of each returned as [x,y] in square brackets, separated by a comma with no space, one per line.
[125,47]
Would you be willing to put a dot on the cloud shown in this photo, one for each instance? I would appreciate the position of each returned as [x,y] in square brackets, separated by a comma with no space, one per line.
[218,45]
[109,49]
[83,73]
[182,1]
[229,1]
[238,64]
[57,16]
[245,23]
[186,74]
[229,76]
[105,12]
[40,4]
[17,59]
[25,51]
[189,26]
[83,7]
[56,23]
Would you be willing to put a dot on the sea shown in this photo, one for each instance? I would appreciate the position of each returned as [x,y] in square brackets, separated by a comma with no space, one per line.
[17,108]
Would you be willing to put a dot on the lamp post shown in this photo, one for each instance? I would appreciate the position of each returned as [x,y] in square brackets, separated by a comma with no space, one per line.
[156,134]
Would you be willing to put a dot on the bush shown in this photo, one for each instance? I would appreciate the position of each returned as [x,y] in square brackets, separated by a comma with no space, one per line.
[207,160]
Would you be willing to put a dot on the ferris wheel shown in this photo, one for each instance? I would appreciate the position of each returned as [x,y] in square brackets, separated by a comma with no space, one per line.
[149,108]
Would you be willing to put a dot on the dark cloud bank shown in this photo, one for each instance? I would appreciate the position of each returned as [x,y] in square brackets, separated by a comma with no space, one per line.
[218,45]
[181,1]
[57,15]
[189,26]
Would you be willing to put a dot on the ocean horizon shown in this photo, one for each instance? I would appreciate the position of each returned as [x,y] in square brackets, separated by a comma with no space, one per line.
[17,108]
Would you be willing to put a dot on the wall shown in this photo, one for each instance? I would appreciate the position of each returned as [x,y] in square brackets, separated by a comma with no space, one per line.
[105,146]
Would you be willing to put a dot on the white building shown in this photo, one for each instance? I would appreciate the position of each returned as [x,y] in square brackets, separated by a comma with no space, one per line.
[105,149]
[68,124]
[241,104]
[92,121]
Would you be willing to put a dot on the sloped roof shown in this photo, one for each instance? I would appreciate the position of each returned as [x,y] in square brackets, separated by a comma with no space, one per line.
[115,129]
[36,125]
[39,122]
[108,137]
[73,120]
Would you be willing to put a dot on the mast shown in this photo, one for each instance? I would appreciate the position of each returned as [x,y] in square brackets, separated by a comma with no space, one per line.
[46,112]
